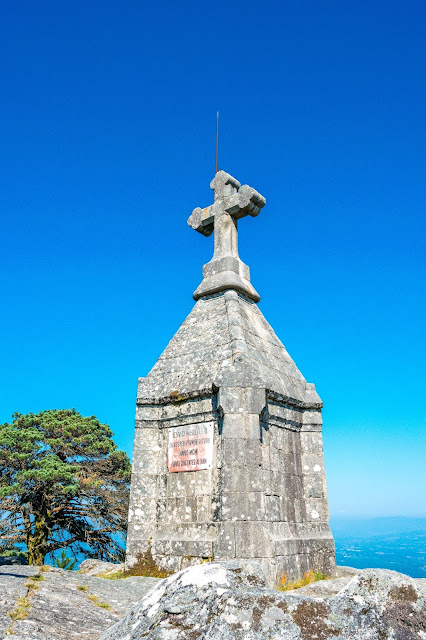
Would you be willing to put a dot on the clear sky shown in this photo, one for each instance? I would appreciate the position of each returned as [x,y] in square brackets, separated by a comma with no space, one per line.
[108,118]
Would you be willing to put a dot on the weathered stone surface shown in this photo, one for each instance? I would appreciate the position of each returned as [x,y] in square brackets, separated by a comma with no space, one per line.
[231,202]
[12,588]
[93,567]
[343,571]
[229,601]
[226,373]
[64,605]
[199,357]
[69,605]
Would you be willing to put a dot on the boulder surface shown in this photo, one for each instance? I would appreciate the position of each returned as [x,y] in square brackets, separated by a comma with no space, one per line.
[63,605]
[230,601]
[212,601]
[93,567]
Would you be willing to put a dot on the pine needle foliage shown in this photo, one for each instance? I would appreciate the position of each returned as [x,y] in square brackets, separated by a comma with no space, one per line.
[64,562]
[63,484]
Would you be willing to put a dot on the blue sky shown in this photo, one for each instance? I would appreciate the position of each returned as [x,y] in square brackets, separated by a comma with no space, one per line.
[108,117]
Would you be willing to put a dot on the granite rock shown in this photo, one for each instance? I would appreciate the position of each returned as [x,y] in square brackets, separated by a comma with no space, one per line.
[64,605]
[213,601]
[229,601]
[93,567]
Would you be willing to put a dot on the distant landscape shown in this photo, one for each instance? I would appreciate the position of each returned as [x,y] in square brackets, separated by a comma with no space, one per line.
[378,543]
[395,543]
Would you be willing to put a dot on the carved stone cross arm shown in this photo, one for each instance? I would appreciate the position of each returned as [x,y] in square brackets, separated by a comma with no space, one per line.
[246,202]
[231,202]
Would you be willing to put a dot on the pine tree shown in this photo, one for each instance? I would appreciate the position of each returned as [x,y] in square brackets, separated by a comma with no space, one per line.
[63,483]
[64,562]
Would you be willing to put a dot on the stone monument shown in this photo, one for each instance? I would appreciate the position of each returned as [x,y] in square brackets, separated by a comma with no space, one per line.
[228,455]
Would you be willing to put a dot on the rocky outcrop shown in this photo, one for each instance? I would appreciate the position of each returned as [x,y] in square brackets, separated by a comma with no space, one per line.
[63,605]
[93,567]
[215,601]
[229,601]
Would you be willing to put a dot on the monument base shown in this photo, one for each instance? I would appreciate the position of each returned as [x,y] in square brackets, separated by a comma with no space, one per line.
[258,487]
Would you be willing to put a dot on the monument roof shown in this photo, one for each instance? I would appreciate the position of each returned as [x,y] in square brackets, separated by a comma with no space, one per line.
[225,340]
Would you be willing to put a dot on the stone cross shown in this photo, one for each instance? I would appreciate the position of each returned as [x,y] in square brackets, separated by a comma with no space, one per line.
[231,202]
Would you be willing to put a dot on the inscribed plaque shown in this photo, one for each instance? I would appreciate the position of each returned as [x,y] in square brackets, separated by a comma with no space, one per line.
[190,448]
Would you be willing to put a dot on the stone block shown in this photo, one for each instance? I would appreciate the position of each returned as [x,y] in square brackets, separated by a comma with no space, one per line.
[176,485]
[291,441]
[316,510]
[189,561]
[145,413]
[291,506]
[278,483]
[173,511]
[252,540]
[146,485]
[148,424]
[192,483]
[299,509]
[313,487]
[230,400]
[246,479]
[276,460]
[311,442]
[204,509]
[287,510]
[181,510]
[143,509]
[241,425]
[244,506]
[224,543]
[197,548]
[312,416]
[265,455]
[139,547]
[191,509]
[277,437]
[162,485]
[291,567]
[294,486]
[273,508]
[161,547]
[180,530]
[237,333]
[239,346]
[292,463]
[195,333]
[287,547]
[192,343]
[285,413]
[168,563]
[311,428]
[255,400]
[141,532]
[312,464]
[149,450]
[242,452]
[190,408]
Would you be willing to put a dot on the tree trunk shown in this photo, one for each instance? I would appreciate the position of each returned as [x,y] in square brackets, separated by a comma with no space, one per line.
[37,541]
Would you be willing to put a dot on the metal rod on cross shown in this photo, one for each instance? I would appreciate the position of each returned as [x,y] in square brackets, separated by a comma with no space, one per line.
[217,138]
